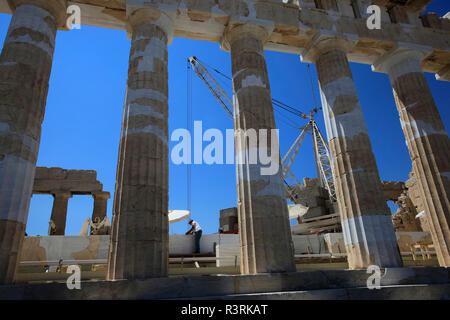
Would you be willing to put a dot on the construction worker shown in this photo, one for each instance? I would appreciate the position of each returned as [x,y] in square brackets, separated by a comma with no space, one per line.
[196,230]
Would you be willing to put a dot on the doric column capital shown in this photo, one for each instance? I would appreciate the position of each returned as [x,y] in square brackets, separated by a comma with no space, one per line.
[61,194]
[399,53]
[235,31]
[101,195]
[323,42]
[58,8]
[138,15]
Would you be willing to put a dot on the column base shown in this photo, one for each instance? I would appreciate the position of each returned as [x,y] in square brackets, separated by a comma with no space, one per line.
[11,239]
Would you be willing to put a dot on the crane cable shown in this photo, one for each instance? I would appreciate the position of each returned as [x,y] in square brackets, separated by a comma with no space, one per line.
[275,102]
[312,86]
[189,128]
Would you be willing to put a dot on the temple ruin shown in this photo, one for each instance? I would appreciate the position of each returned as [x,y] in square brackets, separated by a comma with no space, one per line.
[328,33]
[62,185]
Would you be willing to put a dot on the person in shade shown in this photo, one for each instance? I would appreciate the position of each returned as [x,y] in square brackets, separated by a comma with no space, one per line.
[196,230]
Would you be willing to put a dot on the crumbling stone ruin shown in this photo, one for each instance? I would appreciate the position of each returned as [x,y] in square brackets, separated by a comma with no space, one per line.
[411,213]
[316,203]
[316,198]
[404,219]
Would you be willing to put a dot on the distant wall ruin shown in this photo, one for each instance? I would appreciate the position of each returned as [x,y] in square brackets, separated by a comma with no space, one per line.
[62,184]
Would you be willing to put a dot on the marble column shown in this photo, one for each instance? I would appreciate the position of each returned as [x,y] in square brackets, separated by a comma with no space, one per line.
[264,229]
[366,219]
[140,241]
[100,211]
[426,138]
[100,205]
[25,67]
[59,211]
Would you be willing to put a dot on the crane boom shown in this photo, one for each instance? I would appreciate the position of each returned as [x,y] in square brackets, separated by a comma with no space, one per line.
[322,154]
[212,85]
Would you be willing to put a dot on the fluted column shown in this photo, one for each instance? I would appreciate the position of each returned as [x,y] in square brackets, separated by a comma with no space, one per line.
[366,219]
[140,241]
[100,205]
[426,138]
[113,247]
[264,229]
[59,212]
[25,66]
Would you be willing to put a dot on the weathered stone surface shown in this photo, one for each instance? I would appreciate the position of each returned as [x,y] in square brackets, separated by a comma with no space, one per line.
[183,287]
[100,208]
[392,190]
[310,195]
[57,8]
[398,14]
[432,20]
[25,66]
[335,241]
[365,217]
[30,43]
[139,242]
[426,138]
[419,292]
[265,238]
[404,219]
[327,4]
[413,191]
[59,212]
[95,247]
[75,181]
[206,20]
[229,219]
[65,247]
[11,238]
[63,184]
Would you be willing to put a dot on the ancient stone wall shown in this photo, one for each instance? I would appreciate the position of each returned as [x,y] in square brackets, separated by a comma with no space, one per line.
[62,184]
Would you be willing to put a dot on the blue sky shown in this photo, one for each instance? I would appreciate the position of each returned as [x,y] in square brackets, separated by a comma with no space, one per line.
[84,111]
